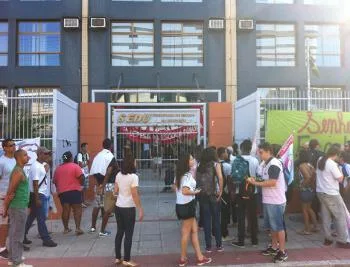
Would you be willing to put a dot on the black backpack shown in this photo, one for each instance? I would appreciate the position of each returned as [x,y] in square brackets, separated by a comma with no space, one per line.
[206,181]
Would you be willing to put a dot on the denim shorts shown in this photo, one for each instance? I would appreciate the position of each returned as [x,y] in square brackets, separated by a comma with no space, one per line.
[273,217]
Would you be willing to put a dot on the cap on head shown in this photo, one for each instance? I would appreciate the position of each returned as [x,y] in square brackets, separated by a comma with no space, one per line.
[43,149]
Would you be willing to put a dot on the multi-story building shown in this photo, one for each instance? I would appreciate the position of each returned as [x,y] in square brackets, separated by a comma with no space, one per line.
[152,44]
[272,50]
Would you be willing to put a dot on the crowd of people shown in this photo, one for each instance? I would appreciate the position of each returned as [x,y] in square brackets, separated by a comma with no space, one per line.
[214,187]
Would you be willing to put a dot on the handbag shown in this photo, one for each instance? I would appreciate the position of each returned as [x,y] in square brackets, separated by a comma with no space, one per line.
[186,211]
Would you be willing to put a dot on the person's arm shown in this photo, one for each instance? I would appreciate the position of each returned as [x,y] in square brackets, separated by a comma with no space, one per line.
[188,192]
[136,197]
[337,174]
[15,180]
[80,160]
[305,173]
[108,173]
[274,173]
[34,174]
[221,180]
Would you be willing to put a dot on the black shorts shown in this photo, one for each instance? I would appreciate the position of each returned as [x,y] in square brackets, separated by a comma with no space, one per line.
[186,211]
[71,197]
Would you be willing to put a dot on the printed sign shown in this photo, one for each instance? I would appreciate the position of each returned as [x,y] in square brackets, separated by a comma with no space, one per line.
[326,127]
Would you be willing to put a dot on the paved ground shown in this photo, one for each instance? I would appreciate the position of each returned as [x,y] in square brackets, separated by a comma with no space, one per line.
[156,242]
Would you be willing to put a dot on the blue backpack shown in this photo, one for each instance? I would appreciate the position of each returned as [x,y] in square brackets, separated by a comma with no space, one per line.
[240,169]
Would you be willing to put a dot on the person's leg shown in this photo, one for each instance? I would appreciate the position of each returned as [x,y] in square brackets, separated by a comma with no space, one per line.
[41,219]
[252,214]
[225,215]
[109,205]
[18,220]
[129,221]
[195,240]
[277,226]
[120,233]
[185,234]
[337,209]
[234,211]
[326,216]
[216,211]
[77,213]
[312,216]
[305,210]
[241,220]
[30,219]
[206,219]
[65,216]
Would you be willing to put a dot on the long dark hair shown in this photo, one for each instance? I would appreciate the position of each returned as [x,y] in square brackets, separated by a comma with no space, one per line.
[182,167]
[304,157]
[332,151]
[128,165]
[208,156]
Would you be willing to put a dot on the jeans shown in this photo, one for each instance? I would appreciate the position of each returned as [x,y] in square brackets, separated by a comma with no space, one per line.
[274,217]
[211,214]
[225,214]
[40,214]
[332,208]
[249,207]
[17,218]
[126,218]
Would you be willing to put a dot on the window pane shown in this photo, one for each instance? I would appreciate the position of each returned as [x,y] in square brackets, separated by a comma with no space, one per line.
[132,0]
[324,43]
[275,45]
[275,1]
[132,44]
[183,1]
[39,44]
[3,60]
[182,44]
[3,43]
[322,2]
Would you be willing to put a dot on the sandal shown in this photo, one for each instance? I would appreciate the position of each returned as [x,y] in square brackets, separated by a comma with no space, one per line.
[118,261]
[66,231]
[79,232]
[304,232]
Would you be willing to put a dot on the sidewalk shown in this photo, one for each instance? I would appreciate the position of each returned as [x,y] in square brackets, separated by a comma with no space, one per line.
[156,242]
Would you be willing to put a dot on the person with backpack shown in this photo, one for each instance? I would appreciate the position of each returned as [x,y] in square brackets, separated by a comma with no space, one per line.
[245,166]
[226,203]
[274,201]
[210,181]
[83,160]
[307,186]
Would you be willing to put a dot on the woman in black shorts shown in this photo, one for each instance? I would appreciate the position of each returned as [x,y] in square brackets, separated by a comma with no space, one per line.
[68,179]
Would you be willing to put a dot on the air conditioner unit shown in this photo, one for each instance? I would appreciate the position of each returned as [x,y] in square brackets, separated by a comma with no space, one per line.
[98,23]
[246,24]
[71,23]
[216,24]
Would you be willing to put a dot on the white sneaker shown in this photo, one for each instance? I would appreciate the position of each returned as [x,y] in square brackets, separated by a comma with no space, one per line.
[10,263]
[92,230]
[227,238]
[24,265]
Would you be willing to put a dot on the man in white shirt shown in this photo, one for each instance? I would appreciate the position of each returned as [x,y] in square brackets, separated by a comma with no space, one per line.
[83,160]
[102,168]
[39,197]
[7,163]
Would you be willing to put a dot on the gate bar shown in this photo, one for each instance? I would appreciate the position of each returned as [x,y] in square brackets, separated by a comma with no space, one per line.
[175,91]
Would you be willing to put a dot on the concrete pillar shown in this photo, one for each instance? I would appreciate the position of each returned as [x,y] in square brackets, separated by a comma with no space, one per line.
[85,51]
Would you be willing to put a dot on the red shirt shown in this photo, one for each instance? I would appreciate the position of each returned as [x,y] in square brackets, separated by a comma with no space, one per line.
[66,177]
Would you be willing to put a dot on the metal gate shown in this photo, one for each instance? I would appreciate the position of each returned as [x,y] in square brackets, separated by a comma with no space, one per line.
[40,112]
[156,137]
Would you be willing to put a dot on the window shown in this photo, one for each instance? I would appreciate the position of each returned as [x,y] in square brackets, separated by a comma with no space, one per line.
[322,2]
[183,1]
[132,0]
[3,43]
[275,44]
[39,0]
[132,44]
[39,44]
[324,42]
[275,1]
[182,44]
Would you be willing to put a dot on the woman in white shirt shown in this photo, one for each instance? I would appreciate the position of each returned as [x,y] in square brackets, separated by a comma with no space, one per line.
[332,205]
[186,209]
[126,184]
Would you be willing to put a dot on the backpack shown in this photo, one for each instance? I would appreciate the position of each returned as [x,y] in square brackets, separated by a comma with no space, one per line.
[240,169]
[206,181]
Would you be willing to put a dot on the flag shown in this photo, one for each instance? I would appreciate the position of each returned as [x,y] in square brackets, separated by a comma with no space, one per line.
[312,63]
[287,158]
[254,151]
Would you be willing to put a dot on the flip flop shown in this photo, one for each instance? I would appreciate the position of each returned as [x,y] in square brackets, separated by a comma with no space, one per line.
[66,231]
[303,232]
[79,232]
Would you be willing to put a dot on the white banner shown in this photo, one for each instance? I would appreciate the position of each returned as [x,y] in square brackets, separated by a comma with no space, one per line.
[156,117]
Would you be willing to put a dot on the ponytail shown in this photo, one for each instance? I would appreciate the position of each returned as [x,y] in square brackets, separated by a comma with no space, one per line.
[332,151]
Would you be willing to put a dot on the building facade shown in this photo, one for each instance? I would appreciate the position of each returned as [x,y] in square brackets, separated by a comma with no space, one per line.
[273,53]
[146,44]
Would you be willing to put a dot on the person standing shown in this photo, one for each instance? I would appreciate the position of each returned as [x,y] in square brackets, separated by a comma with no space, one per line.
[210,181]
[186,209]
[274,201]
[333,208]
[68,179]
[83,160]
[128,199]
[7,163]
[39,197]
[102,168]
[15,206]
[247,205]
